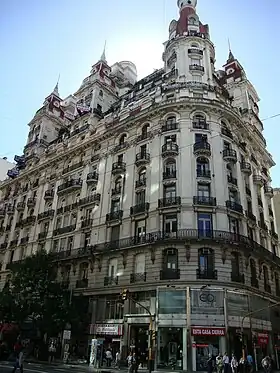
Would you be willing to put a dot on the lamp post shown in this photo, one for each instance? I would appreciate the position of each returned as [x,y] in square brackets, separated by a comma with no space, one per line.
[250,314]
[152,334]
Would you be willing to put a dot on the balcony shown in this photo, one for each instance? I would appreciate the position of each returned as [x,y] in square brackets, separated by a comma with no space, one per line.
[251,216]
[206,275]
[86,223]
[260,203]
[49,214]
[195,51]
[202,148]
[268,191]
[229,155]
[203,173]
[258,180]
[142,208]
[49,194]
[111,280]
[116,191]
[72,167]
[226,132]
[170,274]
[200,125]
[234,206]
[197,68]
[254,282]
[92,178]
[169,202]
[63,230]
[120,147]
[169,127]
[28,221]
[246,168]
[2,213]
[14,242]
[114,216]
[141,183]
[10,210]
[204,201]
[238,277]
[248,190]
[143,136]
[24,240]
[20,206]
[170,149]
[69,186]
[118,168]
[42,235]
[167,175]
[31,202]
[142,158]
[232,181]
[138,277]
[95,198]
[81,284]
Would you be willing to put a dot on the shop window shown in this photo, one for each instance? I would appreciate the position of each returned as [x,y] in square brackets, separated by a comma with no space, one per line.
[171,301]
[170,348]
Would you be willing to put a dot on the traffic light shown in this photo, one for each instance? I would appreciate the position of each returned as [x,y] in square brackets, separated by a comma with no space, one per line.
[124,294]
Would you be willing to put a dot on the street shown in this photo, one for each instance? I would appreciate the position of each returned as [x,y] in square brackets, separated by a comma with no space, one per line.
[43,368]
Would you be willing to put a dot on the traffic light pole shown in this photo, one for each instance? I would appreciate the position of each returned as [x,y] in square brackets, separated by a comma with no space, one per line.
[151,360]
[250,314]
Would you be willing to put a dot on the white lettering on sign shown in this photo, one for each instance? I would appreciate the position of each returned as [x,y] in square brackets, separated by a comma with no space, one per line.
[209,331]
[110,329]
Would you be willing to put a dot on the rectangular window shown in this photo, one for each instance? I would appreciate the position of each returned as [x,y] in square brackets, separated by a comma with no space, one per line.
[87,239]
[172,301]
[233,225]
[115,233]
[235,266]
[199,137]
[140,230]
[140,197]
[55,246]
[70,243]
[170,191]
[250,232]
[227,145]
[171,259]
[170,224]
[203,190]
[197,78]
[113,268]
[140,261]
[143,150]
[58,222]
[63,244]
[204,225]
[115,206]
[195,61]
[120,158]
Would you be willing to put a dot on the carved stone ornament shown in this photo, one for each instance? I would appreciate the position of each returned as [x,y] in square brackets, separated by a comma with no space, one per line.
[124,258]
[188,251]
[153,254]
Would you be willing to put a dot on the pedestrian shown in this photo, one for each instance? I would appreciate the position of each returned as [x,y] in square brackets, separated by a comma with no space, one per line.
[52,351]
[118,360]
[234,364]
[219,363]
[250,363]
[210,364]
[134,363]
[109,357]
[129,362]
[19,359]
[226,363]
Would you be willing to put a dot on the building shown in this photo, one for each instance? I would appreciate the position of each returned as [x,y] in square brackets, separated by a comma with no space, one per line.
[276,204]
[160,186]
[5,166]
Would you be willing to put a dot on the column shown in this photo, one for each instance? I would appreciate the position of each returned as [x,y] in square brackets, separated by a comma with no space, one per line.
[185,347]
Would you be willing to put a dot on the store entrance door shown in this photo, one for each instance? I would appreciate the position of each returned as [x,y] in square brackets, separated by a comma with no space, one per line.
[205,347]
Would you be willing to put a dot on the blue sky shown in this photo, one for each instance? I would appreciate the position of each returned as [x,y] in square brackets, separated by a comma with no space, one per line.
[40,39]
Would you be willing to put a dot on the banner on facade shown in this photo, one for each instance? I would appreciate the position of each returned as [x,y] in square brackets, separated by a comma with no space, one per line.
[108,329]
[262,339]
[204,331]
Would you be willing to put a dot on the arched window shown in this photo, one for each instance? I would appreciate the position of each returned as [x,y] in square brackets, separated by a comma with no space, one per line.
[203,167]
[266,279]
[144,132]
[122,139]
[253,269]
[194,45]
[170,168]
[171,121]
[206,264]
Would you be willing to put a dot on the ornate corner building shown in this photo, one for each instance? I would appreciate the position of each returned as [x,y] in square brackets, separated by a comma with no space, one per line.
[160,186]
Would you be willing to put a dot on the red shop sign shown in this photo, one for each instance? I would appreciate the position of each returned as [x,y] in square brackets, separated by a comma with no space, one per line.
[218,332]
[203,345]
[262,339]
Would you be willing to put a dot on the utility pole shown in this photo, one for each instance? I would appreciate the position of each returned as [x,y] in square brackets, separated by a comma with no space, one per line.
[152,333]
[250,314]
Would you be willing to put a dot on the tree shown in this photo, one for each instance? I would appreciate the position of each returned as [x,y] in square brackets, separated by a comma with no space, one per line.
[33,293]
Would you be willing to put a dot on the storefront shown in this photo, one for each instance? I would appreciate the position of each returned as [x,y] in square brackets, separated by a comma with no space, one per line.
[109,337]
[206,341]
[170,348]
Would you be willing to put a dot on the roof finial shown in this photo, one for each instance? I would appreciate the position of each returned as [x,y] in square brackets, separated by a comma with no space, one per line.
[55,91]
[230,54]
[103,56]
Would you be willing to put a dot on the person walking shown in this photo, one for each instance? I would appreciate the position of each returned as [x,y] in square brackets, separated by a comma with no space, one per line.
[226,363]
[219,363]
[19,360]
[210,364]
[118,360]
[129,362]
[234,364]
[109,357]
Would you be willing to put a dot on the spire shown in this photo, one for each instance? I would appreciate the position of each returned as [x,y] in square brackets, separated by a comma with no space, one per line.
[103,56]
[230,54]
[55,90]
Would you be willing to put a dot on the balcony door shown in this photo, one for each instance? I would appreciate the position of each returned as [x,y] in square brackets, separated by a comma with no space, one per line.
[204,225]
[113,268]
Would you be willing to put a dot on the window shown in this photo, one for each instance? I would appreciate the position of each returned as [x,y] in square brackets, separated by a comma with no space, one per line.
[227,145]
[55,246]
[206,262]
[202,167]
[115,206]
[197,78]
[139,264]
[143,150]
[100,93]
[45,227]
[171,121]
[99,107]
[172,301]
[233,225]
[170,224]
[204,224]
[170,191]
[253,269]
[110,309]
[168,139]
[144,132]
[199,137]
[118,184]
[266,279]
[195,61]
[113,268]
[58,222]
[250,233]
[83,271]
[203,191]
[140,230]
[142,175]
[120,158]
[115,233]
[170,168]
[235,263]
[122,140]
[87,239]
[170,259]
[140,197]
[233,197]
[199,118]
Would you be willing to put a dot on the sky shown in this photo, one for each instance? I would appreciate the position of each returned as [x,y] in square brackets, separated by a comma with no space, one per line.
[40,39]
